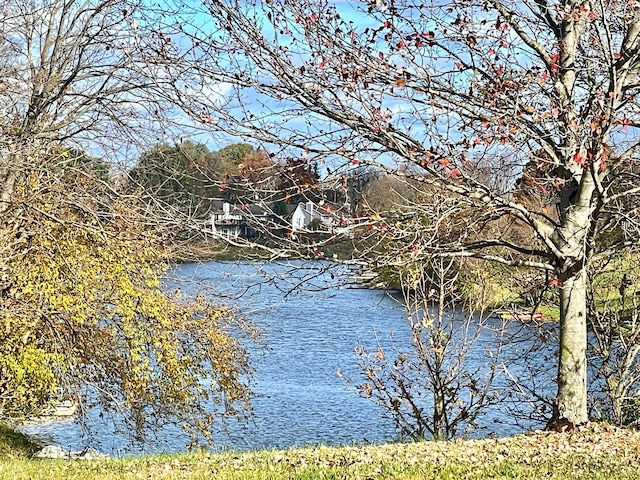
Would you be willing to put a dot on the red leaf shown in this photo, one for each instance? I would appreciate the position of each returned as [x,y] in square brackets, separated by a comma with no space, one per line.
[579,158]
[625,122]
[554,62]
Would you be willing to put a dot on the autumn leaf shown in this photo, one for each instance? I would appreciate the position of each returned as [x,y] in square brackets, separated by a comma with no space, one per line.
[580,158]
[555,282]
[625,122]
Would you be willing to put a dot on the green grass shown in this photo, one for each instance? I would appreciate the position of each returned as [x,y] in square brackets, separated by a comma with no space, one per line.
[13,444]
[268,467]
[599,452]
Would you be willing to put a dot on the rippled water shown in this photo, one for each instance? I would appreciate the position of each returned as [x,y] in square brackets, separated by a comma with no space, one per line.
[309,335]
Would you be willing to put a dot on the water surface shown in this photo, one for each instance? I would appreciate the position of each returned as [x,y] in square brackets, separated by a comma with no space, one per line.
[303,362]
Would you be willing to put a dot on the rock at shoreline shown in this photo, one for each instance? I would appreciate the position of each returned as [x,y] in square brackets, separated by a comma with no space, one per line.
[56,451]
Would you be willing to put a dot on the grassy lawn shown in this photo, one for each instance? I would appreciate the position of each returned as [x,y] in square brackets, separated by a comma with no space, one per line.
[598,452]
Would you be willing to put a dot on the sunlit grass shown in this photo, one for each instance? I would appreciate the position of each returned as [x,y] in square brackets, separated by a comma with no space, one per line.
[267,466]
[600,452]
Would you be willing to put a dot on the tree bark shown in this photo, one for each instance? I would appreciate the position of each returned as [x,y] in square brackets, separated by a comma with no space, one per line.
[7,181]
[571,407]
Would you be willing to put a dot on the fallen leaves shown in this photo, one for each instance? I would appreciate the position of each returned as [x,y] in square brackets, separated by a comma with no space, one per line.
[588,443]
[578,454]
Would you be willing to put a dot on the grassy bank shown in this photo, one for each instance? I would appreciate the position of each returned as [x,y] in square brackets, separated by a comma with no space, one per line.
[599,452]
[14,445]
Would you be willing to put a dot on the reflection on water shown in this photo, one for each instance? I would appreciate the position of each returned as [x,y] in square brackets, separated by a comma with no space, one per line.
[310,332]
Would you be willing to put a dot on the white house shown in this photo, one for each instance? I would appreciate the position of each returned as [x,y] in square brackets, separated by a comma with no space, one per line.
[307,212]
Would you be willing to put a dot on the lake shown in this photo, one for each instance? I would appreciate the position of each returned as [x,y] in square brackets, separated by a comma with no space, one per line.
[311,319]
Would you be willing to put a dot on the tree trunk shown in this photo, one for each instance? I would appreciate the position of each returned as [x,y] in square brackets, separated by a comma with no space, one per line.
[571,408]
[7,181]
[440,427]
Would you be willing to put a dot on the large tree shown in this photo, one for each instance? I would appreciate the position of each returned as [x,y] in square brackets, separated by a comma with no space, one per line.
[171,174]
[468,93]
[84,312]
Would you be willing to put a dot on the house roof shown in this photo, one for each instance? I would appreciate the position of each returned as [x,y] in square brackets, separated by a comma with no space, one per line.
[259,210]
